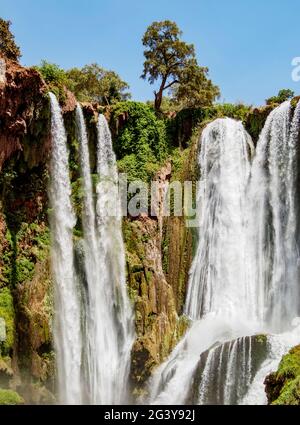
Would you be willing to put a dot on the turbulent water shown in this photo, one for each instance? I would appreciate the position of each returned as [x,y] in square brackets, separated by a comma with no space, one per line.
[217,277]
[273,220]
[94,321]
[244,279]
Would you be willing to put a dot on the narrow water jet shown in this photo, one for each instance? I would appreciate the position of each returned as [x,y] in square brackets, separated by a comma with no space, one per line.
[67,327]
[116,343]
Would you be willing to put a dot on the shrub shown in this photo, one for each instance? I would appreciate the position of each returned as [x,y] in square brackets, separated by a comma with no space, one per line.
[9,397]
[55,78]
[141,143]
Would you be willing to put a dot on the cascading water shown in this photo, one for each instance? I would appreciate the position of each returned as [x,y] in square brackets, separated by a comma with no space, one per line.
[218,273]
[218,298]
[119,328]
[108,331]
[244,279]
[272,221]
[67,332]
[93,317]
[273,229]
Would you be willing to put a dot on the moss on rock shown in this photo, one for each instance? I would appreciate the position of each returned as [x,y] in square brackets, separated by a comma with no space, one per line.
[9,397]
[7,312]
[283,386]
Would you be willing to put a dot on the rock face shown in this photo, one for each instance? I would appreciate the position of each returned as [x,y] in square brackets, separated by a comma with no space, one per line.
[283,386]
[26,354]
[2,71]
[158,326]
[159,253]
[21,104]
[225,372]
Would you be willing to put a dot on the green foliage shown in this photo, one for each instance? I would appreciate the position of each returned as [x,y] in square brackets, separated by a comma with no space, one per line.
[9,397]
[172,62]
[89,84]
[141,143]
[180,128]
[283,95]
[194,89]
[289,374]
[93,83]
[8,314]
[28,245]
[8,47]
[55,77]
[255,120]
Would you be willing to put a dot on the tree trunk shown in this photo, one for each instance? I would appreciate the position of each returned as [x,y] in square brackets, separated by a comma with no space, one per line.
[158,100]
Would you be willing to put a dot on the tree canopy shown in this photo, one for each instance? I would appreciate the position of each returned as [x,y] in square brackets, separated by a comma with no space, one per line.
[89,84]
[283,95]
[172,62]
[8,46]
[96,84]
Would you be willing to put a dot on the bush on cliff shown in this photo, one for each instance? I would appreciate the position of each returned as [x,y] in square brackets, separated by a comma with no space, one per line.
[140,141]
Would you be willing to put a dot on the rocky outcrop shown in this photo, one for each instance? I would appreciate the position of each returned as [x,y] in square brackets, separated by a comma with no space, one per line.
[158,326]
[225,372]
[22,113]
[158,253]
[283,386]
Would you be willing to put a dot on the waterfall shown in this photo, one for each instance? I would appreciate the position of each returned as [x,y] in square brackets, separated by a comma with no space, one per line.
[244,279]
[119,327]
[273,220]
[218,274]
[93,317]
[108,331]
[225,372]
[67,333]
[218,298]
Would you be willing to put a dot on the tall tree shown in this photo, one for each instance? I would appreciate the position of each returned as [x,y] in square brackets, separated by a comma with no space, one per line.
[166,56]
[8,47]
[172,62]
[195,89]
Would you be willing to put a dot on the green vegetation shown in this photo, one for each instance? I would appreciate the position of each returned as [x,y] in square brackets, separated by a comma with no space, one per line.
[141,144]
[9,397]
[89,84]
[26,247]
[283,95]
[283,386]
[93,83]
[55,77]
[8,47]
[173,63]
[8,314]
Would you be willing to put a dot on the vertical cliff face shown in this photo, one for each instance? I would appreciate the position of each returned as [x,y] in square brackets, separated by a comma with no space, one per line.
[158,325]
[23,114]
[159,253]
[25,282]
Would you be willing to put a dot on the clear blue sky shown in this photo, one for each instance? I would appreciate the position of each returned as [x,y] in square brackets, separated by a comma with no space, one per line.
[248,45]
